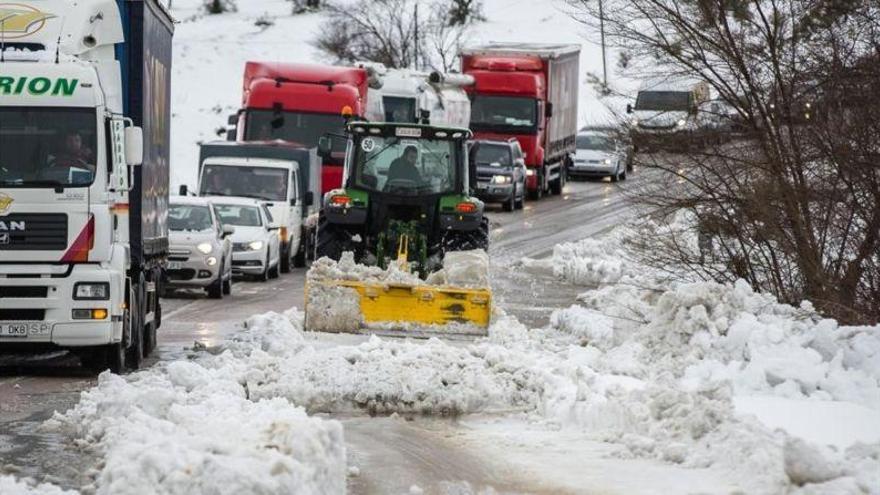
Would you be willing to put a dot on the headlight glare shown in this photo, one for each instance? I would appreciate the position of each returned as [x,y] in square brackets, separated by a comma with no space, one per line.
[211,261]
[256,245]
[96,291]
[205,248]
[501,179]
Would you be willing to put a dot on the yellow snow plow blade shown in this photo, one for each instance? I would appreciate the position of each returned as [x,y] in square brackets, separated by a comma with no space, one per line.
[349,306]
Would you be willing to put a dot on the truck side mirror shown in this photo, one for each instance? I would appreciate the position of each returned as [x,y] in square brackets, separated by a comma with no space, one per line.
[232,120]
[325,144]
[184,190]
[309,198]
[548,109]
[232,127]
[629,108]
[134,146]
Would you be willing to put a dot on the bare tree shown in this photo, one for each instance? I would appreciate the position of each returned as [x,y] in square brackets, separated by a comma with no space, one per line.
[792,202]
[393,32]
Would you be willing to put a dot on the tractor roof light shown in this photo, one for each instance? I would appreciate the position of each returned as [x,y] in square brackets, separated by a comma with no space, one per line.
[466,207]
[347,111]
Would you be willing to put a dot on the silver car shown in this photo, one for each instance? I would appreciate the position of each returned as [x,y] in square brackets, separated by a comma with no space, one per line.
[201,249]
[600,154]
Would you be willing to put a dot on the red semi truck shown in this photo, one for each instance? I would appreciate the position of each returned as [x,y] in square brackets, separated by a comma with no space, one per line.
[530,92]
[300,103]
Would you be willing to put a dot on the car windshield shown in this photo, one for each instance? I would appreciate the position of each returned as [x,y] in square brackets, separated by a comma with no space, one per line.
[47,147]
[239,215]
[264,183]
[298,127]
[670,101]
[408,167]
[503,112]
[593,142]
[192,218]
[493,154]
[398,109]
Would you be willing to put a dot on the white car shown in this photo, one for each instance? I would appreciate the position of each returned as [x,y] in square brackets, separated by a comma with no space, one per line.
[599,154]
[200,254]
[255,244]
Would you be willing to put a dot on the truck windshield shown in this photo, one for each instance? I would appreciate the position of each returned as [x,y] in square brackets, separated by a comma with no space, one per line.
[47,147]
[592,142]
[297,127]
[408,167]
[239,215]
[664,101]
[502,113]
[264,183]
[398,109]
[191,218]
[493,154]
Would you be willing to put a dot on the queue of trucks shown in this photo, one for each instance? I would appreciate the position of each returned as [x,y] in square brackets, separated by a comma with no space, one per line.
[85,158]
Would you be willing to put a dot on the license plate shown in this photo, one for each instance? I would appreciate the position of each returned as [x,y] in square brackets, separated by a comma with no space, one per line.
[175,265]
[22,329]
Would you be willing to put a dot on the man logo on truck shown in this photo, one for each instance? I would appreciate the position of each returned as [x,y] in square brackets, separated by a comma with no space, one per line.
[18,21]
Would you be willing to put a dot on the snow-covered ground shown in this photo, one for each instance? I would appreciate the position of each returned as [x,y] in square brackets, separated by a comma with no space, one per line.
[727,386]
[210,53]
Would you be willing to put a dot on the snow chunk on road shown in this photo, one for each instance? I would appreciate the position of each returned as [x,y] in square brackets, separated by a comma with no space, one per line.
[590,262]
[9,485]
[192,427]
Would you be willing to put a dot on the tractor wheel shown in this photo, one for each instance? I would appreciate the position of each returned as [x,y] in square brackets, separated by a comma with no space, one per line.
[468,240]
[333,241]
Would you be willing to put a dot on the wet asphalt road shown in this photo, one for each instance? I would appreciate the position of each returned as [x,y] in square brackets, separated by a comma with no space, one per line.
[391,457]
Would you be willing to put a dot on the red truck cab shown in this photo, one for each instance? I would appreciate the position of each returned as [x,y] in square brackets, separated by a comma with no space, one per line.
[527,91]
[300,103]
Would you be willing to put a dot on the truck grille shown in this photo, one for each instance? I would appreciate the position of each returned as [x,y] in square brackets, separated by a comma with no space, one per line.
[22,314]
[34,232]
[24,292]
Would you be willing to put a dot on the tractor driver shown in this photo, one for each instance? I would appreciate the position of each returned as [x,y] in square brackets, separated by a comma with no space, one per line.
[404,167]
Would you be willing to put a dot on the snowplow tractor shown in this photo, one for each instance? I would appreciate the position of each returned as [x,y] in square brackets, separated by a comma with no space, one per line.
[404,206]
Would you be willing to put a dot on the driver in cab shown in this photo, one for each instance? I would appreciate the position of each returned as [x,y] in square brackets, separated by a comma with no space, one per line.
[404,167]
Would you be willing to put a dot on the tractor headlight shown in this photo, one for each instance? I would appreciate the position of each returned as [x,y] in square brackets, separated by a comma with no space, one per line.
[255,245]
[92,291]
[205,248]
[501,179]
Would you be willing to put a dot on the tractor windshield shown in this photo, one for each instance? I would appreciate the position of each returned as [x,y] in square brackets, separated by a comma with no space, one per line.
[406,166]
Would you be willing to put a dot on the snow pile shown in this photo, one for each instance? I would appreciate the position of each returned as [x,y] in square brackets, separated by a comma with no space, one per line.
[590,262]
[9,485]
[194,427]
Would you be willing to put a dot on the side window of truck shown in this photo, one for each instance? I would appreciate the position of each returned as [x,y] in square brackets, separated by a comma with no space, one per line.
[294,185]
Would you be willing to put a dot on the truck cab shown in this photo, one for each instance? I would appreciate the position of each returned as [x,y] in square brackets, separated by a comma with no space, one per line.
[299,103]
[529,92]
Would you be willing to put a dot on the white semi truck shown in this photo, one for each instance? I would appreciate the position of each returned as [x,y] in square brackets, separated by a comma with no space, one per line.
[84,160]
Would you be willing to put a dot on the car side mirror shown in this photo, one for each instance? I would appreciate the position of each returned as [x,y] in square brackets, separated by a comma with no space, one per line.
[232,127]
[325,145]
[309,198]
[629,108]
[226,231]
[274,228]
[134,146]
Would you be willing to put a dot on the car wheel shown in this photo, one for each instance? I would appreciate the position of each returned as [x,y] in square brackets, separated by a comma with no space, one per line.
[623,175]
[273,273]
[227,286]
[265,275]
[215,290]
[510,204]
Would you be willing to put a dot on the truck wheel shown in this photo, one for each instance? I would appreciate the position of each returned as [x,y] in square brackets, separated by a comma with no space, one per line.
[215,290]
[106,357]
[520,202]
[536,194]
[285,260]
[134,355]
[299,260]
[556,186]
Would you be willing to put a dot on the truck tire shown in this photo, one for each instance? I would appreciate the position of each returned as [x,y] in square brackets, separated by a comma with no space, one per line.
[468,240]
[105,357]
[299,260]
[134,354]
[285,259]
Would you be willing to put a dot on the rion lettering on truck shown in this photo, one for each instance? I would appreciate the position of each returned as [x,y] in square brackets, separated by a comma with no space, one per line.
[37,86]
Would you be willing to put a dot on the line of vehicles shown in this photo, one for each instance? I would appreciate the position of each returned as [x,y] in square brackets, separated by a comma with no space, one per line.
[319,160]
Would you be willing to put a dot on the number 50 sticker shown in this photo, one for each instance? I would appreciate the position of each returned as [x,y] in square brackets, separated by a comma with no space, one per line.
[368,145]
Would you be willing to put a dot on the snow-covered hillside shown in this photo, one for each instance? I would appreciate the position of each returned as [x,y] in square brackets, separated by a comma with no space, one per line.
[210,53]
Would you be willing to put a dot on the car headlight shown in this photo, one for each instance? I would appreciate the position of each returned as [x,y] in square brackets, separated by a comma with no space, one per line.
[205,248]
[92,291]
[681,123]
[634,122]
[211,261]
[530,172]
[501,179]
[607,161]
[255,245]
